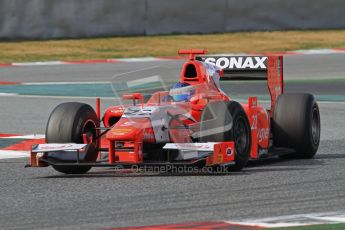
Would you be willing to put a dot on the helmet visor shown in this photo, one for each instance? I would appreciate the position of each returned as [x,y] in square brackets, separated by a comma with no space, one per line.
[181,97]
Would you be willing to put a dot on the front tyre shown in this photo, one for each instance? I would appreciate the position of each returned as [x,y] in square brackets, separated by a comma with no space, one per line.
[227,121]
[67,124]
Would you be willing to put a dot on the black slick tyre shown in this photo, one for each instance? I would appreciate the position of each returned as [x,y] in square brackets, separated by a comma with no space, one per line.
[67,124]
[227,121]
[296,124]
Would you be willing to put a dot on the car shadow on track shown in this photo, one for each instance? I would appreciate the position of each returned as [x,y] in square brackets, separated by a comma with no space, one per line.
[331,156]
[113,173]
[265,165]
[284,162]
[279,164]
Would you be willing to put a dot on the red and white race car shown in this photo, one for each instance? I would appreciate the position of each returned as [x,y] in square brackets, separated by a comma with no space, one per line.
[193,124]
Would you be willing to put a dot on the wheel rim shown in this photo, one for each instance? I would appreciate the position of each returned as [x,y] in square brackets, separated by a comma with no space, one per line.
[241,136]
[90,130]
[315,126]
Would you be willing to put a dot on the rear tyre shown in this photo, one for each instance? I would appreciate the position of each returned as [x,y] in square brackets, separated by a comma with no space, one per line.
[67,124]
[227,121]
[296,124]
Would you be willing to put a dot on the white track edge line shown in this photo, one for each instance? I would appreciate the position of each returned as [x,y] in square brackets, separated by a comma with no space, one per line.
[12,154]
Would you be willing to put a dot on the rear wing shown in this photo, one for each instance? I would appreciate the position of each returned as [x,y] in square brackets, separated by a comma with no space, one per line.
[244,68]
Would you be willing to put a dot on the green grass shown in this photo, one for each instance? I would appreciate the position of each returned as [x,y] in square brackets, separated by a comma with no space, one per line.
[167,45]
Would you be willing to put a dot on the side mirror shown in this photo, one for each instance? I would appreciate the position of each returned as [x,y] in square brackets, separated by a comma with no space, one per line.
[134,97]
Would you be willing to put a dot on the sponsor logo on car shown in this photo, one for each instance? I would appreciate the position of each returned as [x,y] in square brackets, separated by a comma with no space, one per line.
[263,134]
[236,62]
[229,151]
[121,131]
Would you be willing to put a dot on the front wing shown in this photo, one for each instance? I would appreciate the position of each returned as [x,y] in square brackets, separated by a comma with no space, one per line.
[69,154]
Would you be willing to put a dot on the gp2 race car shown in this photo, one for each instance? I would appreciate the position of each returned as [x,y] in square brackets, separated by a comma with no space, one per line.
[192,124]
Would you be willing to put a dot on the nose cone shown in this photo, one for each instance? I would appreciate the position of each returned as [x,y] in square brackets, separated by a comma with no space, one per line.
[117,134]
[128,129]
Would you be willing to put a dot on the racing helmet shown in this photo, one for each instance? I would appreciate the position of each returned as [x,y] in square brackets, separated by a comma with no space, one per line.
[180,96]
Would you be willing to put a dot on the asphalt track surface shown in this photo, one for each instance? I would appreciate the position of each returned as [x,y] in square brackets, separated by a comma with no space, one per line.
[43,198]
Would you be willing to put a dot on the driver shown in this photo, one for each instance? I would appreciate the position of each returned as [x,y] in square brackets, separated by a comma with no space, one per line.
[181,92]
